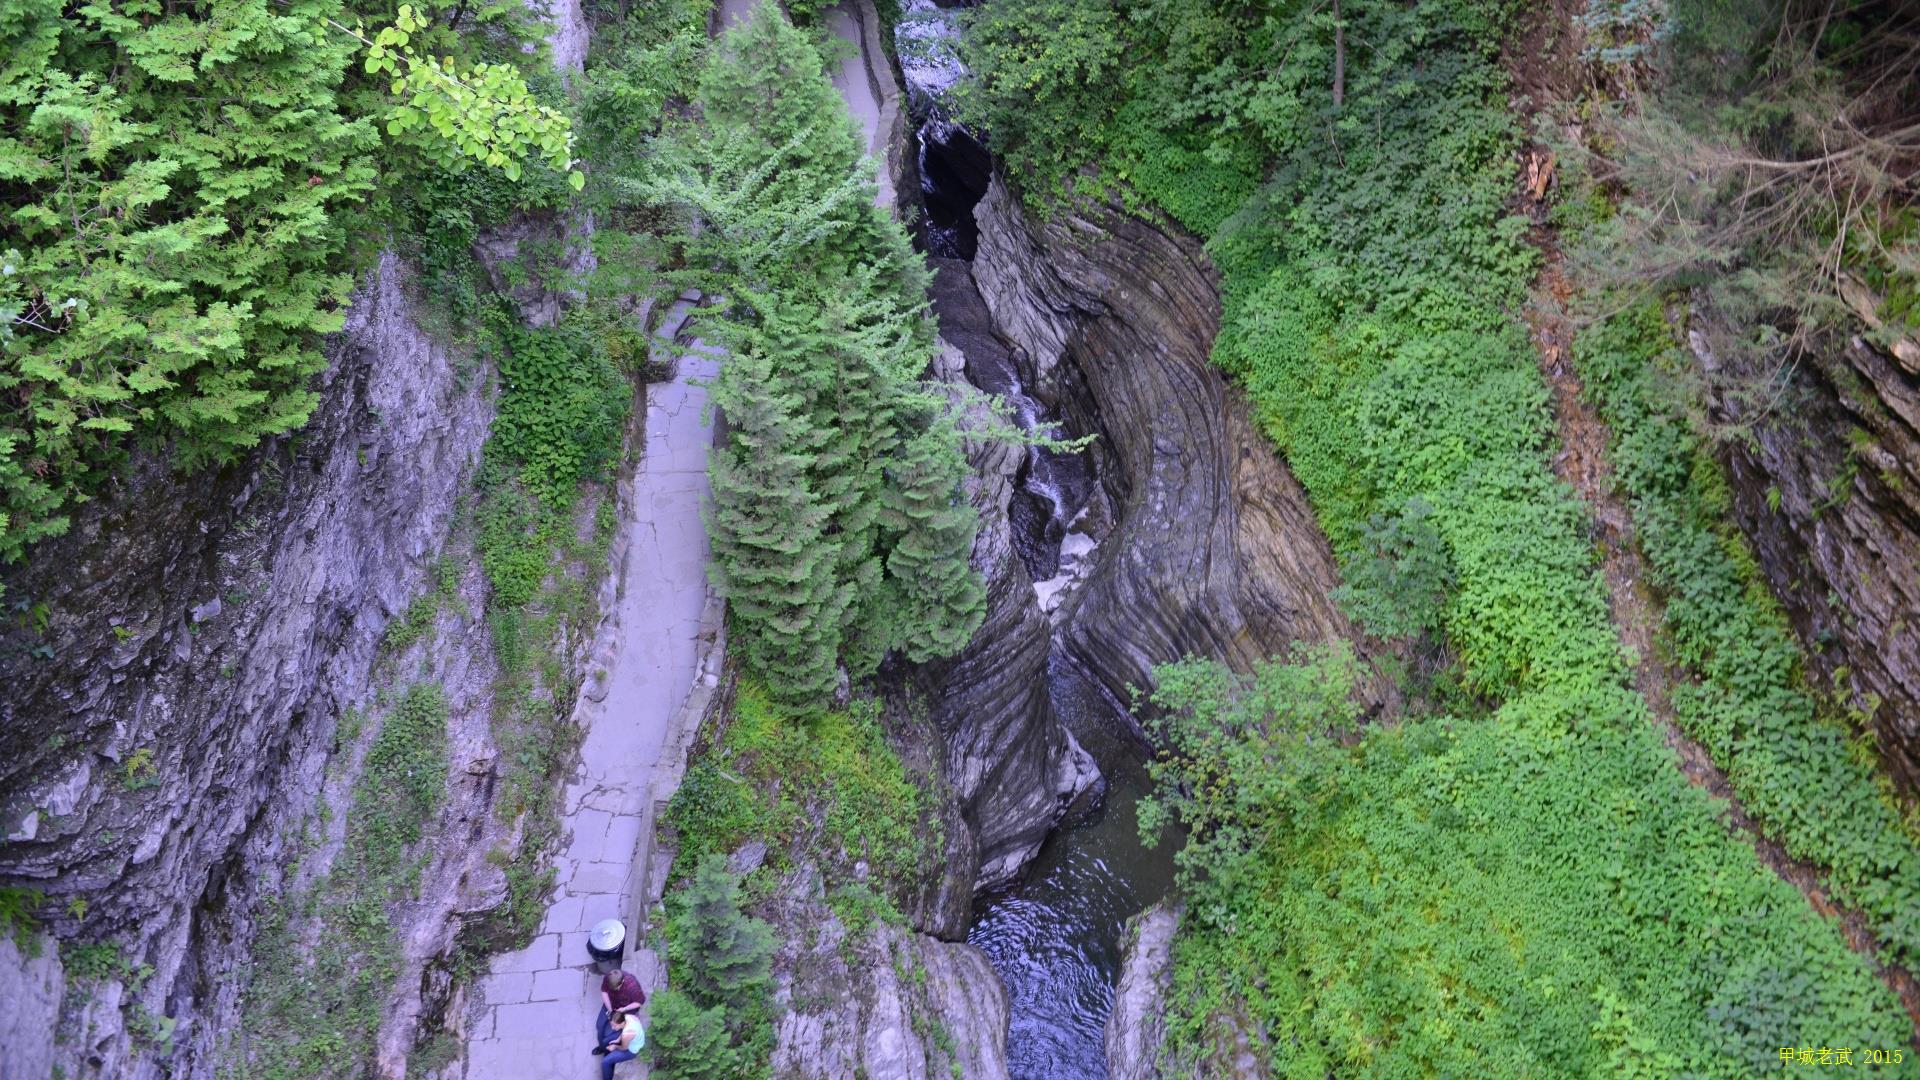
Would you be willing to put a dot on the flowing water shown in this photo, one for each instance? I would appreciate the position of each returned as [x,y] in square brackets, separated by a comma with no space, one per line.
[1055,936]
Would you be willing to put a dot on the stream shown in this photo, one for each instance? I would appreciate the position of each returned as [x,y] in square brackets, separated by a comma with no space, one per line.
[1055,936]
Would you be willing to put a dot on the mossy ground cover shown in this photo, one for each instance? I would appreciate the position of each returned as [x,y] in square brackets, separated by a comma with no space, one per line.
[823,784]
[1527,886]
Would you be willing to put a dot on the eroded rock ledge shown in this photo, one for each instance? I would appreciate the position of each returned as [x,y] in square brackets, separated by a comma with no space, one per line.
[1213,549]
[1012,763]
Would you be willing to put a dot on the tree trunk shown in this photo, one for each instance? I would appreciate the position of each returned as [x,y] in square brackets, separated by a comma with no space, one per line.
[1339,57]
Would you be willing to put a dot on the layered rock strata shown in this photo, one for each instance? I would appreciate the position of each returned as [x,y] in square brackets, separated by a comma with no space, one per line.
[1138,1022]
[1013,765]
[1827,490]
[1213,550]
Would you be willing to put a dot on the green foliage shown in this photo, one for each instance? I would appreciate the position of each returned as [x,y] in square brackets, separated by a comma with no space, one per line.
[720,1020]
[839,477]
[1043,76]
[1792,769]
[423,609]
[139,771]
[1532,891]
[560,412]
[823,787]
[940,599]
[637,66]
[484,112]
[689,1042]
[559,419]
[720,954]
[18,915]
[772,558]
[1399,586]
[823,781]
[183,182]
[94,961]
[1405,905]
[402,782]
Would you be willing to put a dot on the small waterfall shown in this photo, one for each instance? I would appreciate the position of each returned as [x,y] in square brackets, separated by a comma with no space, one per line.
[954,165]
[1055,937]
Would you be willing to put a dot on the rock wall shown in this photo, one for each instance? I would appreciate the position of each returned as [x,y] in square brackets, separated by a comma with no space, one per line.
[1827,490]
[1013,765]
[881,1002]
[1138,1022]
[31,985]
[1213,549]
[202,635]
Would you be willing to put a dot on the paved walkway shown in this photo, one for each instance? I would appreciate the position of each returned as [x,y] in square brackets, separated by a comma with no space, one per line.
[855,77]
[535,1017]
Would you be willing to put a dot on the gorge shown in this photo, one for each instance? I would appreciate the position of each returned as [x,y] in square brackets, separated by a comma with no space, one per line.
[937,442]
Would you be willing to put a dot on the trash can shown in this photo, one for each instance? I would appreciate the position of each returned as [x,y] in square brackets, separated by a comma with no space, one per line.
[607,944]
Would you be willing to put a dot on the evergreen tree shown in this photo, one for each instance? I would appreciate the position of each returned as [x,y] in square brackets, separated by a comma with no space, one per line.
[723,955]
[827,322]
[689,1042]
[772,559]
[941,601]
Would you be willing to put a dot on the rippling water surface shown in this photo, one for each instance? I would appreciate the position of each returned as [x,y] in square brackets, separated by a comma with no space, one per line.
[1055,937]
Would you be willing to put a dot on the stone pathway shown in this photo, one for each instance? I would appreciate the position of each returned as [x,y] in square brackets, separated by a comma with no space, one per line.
[859,78]
[535,1016]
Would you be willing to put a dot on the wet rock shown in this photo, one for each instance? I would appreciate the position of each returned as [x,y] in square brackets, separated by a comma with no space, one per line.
[1014,767]
[1213,549]
[1827,490]
[1138,1023]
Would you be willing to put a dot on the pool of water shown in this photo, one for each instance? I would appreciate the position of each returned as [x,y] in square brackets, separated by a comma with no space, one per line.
[1055,936]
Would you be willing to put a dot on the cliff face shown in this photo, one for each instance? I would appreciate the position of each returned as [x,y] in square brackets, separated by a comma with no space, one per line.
[881,1000]
[1138,1022]
[1011,762]
[202,635]
[1828,492]
[1213,549]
